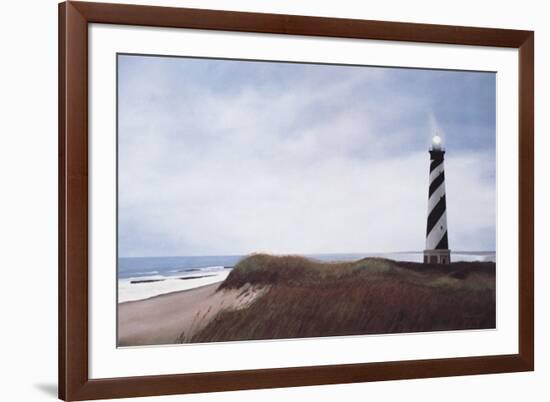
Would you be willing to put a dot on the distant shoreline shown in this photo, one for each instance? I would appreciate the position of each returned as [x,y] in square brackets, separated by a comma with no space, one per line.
[366,253]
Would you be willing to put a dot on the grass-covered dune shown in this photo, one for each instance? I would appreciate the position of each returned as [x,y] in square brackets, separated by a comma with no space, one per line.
[307,298]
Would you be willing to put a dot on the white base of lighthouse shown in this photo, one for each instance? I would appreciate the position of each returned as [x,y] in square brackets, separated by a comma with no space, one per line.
[437,256]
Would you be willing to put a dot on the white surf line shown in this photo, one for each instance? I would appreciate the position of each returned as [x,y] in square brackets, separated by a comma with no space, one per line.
[128,291]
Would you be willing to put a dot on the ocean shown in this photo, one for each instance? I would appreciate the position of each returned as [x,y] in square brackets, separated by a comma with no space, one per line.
[145,277]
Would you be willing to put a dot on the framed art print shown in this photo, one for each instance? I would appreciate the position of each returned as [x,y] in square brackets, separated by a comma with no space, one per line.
[259,200]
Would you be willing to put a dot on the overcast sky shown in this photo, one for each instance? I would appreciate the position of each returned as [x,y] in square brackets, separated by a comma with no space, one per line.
[221,157]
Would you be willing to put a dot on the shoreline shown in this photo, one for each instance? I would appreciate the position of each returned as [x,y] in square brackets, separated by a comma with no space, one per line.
[143,288]
[160,319]
[175,317]
[167,294]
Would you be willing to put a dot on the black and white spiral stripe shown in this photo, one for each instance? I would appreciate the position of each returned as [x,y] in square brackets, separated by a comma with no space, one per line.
[436,232]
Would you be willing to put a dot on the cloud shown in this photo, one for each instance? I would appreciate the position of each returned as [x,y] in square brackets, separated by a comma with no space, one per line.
[219,157]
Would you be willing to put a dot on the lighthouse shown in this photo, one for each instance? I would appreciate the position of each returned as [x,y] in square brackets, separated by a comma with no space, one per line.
[437,243]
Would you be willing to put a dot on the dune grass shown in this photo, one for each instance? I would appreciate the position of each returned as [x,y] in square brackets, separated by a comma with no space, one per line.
[308,298]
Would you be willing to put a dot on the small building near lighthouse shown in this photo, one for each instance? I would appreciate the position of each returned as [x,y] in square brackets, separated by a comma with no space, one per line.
[437,242]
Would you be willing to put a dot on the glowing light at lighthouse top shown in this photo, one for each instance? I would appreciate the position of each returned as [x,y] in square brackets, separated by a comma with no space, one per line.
[436,142]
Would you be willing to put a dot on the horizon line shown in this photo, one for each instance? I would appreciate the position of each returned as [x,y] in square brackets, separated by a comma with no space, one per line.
[308,254]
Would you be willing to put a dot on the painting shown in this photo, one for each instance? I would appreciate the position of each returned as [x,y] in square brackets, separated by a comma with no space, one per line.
[262,200]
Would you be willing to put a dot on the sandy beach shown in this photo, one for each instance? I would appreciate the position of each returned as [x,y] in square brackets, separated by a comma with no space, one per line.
[175,317]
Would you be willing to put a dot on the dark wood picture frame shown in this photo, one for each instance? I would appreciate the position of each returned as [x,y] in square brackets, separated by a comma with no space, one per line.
[74,381]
